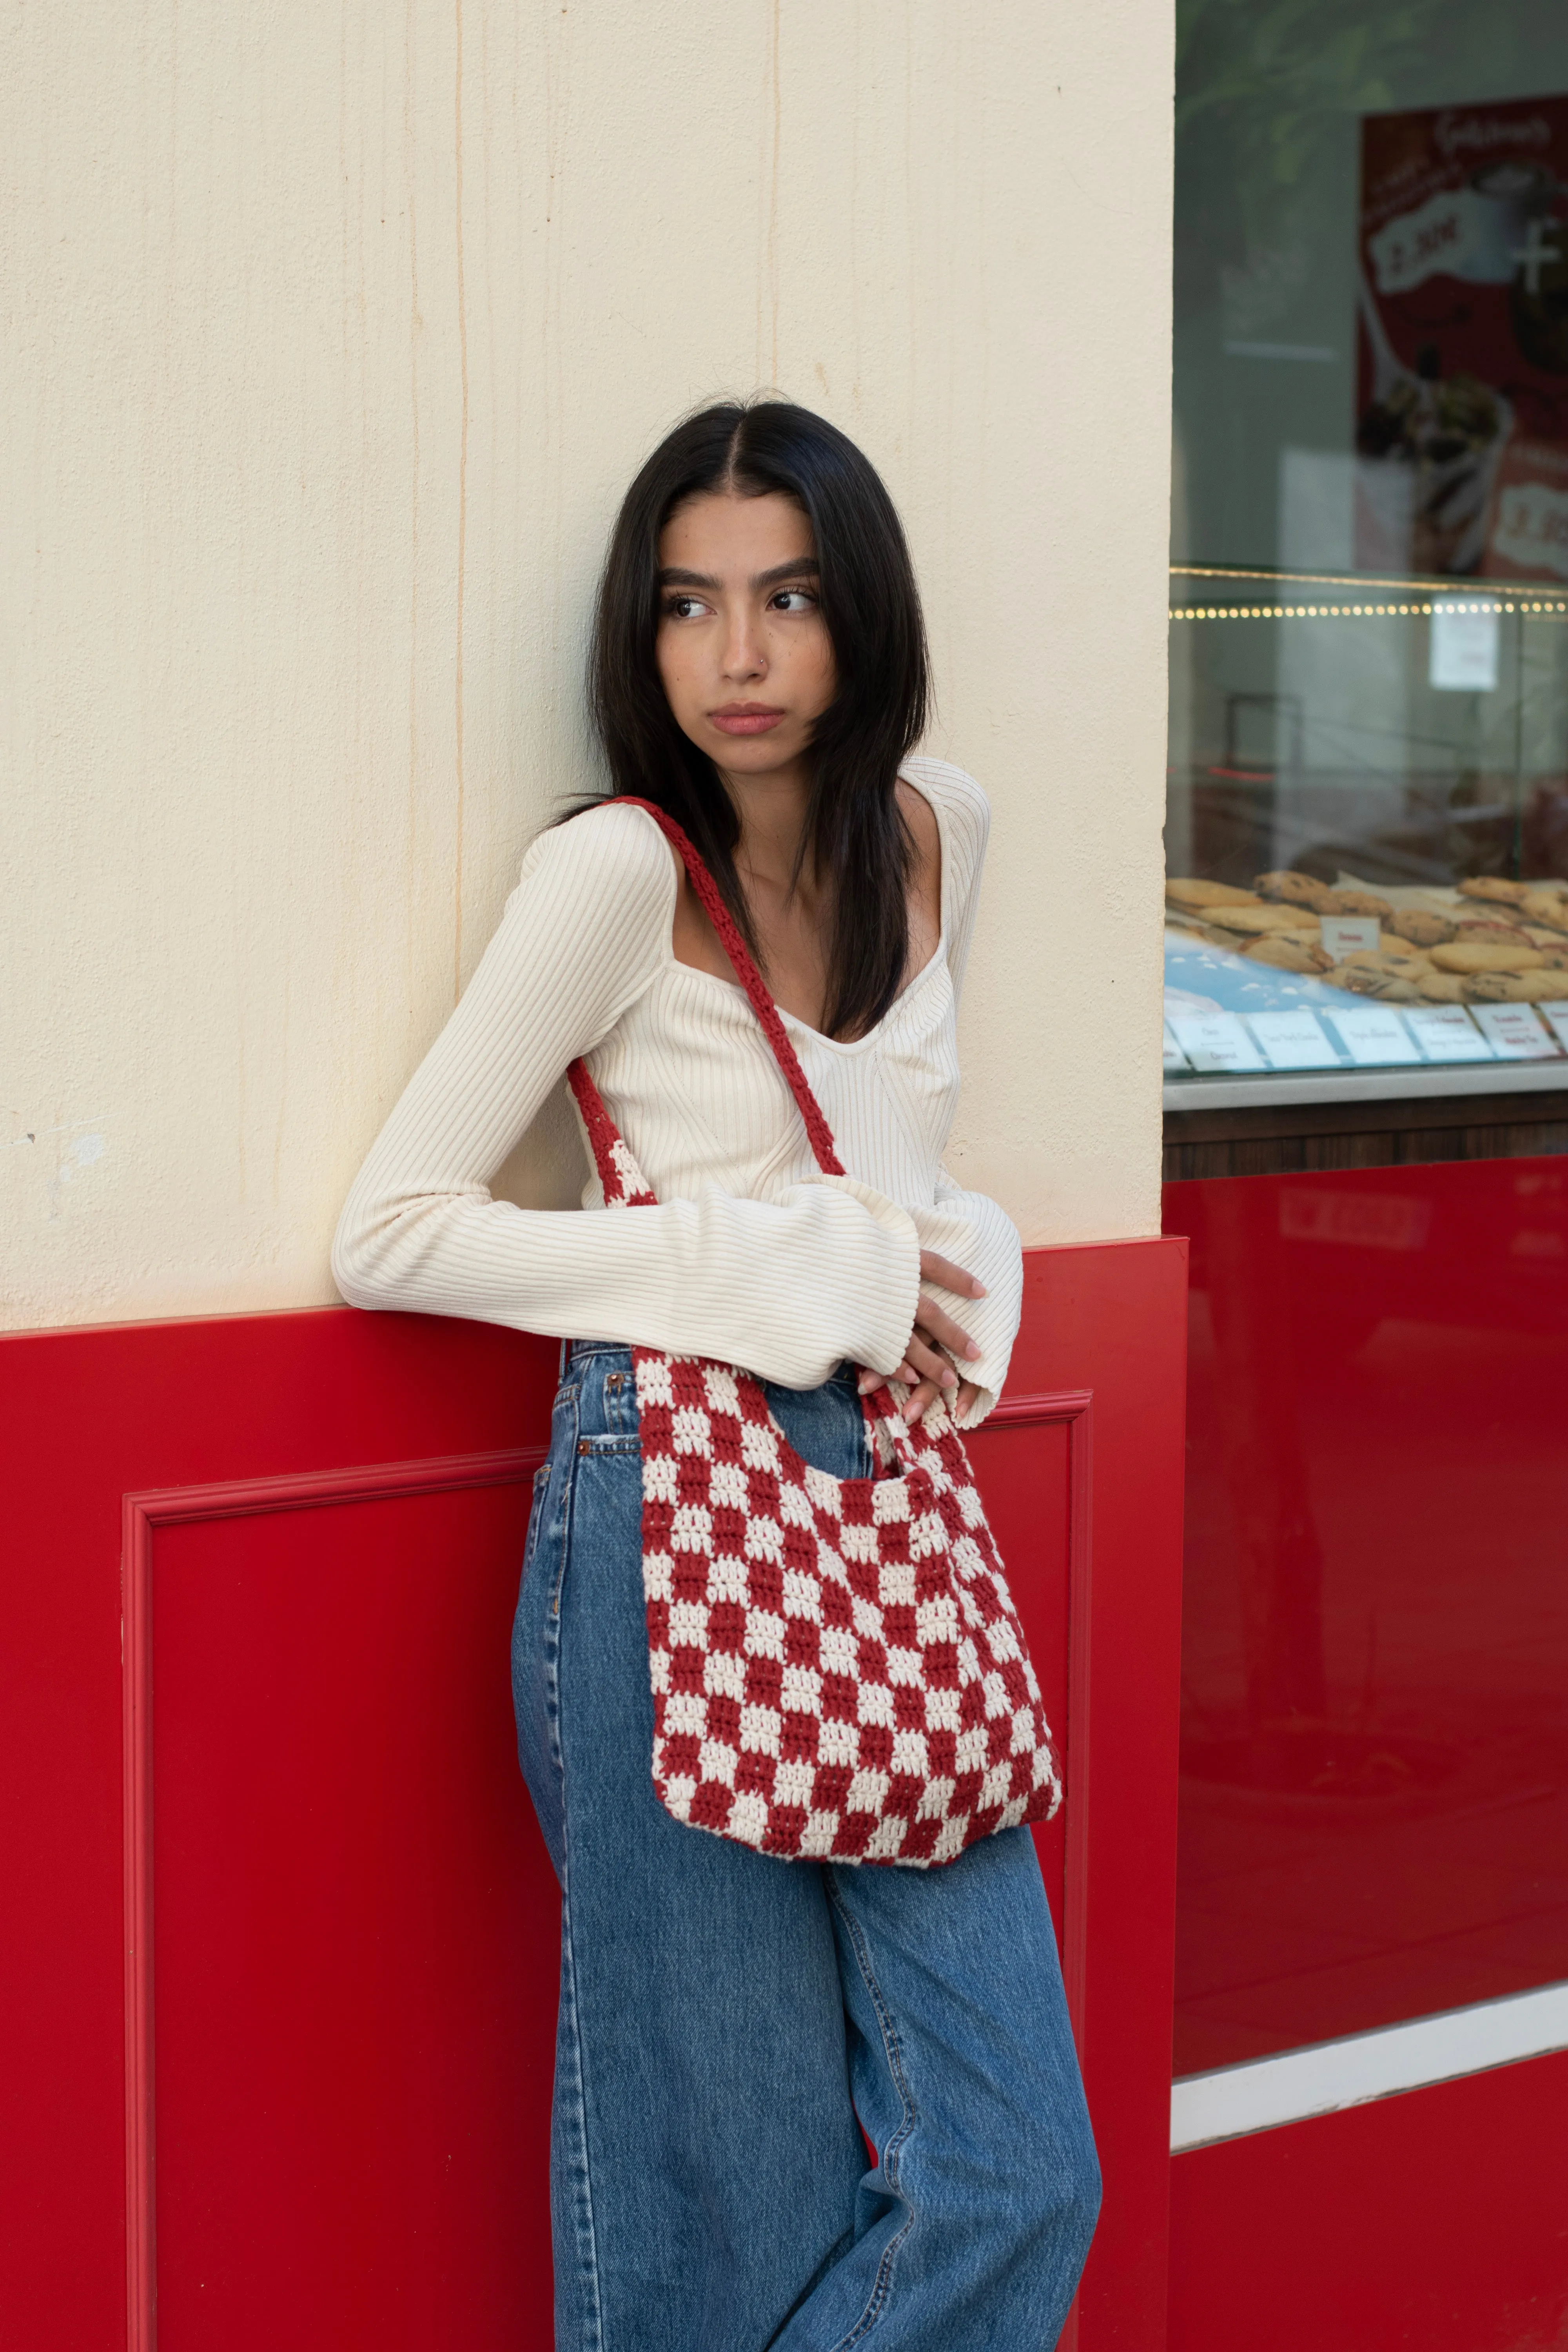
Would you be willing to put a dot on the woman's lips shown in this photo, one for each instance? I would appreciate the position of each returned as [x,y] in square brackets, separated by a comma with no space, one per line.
[745,717]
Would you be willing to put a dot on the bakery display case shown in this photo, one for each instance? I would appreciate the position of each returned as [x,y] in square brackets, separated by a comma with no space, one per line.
[1367,837]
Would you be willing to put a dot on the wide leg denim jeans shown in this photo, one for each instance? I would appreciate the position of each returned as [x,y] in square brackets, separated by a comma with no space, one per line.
[729,2022]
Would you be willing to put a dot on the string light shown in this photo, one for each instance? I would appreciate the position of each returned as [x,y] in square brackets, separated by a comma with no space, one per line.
[1557,608]
[1499,602]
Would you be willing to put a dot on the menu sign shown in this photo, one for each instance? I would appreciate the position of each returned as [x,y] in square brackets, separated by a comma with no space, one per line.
[1462,365]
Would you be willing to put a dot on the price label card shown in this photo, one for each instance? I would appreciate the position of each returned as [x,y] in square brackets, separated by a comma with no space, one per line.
[1373,1035]
[1294,1040]
[1445,1033]
[1556,1014]
[1174,1058]
[1346,935]
[1515,1034]
[1215,1041]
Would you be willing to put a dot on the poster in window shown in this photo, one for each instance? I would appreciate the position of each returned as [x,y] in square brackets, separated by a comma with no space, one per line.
[1462,368]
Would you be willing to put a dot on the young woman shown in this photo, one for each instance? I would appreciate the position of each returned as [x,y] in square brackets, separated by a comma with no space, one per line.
[730,2024]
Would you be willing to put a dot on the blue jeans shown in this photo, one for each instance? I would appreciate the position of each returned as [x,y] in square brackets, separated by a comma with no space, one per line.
[729,2022]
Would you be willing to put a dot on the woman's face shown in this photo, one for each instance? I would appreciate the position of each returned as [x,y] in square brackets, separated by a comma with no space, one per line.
[743,651]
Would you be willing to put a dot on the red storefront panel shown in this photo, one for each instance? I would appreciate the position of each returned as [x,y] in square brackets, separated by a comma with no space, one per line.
[1436,2221]
[1375,1777]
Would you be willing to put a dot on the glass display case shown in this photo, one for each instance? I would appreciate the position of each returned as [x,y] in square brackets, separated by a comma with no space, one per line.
[1367,846]
[1367,835]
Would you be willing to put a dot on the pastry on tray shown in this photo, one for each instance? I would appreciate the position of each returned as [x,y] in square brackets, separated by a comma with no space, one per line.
[1547,907]
[1254,920]
[1422,927]
[1286,953]
[1293,889]
[1357,902]
[1197,897]
[1371,977]
[1513,987]
[1485,956]
[1475,931]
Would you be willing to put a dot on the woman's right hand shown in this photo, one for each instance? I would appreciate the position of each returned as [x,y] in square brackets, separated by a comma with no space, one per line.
[937,1344]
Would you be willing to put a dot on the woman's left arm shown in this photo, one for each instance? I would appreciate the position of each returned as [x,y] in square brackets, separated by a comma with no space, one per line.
[967,1228]
[974,1234]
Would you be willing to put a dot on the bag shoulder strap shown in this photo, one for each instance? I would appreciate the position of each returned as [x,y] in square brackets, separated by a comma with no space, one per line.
[602,1132]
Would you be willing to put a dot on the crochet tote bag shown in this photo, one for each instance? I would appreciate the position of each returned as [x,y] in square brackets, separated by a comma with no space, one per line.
[838,1671]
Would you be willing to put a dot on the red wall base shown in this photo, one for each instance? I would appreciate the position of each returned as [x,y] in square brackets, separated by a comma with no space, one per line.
[1438,2220]
[278,1974]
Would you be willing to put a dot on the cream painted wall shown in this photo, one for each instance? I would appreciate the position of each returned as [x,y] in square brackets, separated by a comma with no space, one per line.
[334,332]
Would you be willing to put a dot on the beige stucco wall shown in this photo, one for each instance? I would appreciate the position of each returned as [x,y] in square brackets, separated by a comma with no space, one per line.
[335,331]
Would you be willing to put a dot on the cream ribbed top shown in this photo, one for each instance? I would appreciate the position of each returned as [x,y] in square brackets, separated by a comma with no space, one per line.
[753,1256]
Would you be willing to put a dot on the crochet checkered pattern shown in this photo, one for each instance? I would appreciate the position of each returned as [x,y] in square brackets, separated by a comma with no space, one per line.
[838,1671]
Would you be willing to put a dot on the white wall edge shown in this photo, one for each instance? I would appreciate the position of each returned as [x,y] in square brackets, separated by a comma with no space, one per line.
[1317,2081]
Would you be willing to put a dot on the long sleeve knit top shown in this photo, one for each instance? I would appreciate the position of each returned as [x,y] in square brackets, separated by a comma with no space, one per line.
[751,1256]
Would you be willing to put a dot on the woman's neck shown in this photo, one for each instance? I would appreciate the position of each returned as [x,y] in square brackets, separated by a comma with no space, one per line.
[772,811]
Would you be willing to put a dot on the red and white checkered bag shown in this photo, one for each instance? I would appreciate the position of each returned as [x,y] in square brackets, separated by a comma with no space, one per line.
[838,1672]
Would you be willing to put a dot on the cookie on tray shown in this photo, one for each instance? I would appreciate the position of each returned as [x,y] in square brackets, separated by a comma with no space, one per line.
[1293,889]
[1357,902]
[1421,927]
[1285,953]
[1372,977]
[1465,956]
[1549,907]
[1196,895]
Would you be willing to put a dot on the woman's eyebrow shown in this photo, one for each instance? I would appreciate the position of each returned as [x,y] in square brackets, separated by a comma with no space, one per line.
[786,571]
[673,576]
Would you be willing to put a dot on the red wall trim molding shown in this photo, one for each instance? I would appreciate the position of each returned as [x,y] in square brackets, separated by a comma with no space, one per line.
[235,1499]
[1075,1409]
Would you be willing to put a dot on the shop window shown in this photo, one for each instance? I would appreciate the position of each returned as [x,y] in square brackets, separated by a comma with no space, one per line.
[1367,962]
[1368,838]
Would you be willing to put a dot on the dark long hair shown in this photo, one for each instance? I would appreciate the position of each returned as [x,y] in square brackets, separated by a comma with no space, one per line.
[855,834]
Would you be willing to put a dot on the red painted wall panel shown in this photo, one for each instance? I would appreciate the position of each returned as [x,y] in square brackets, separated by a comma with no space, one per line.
[87,1417]
[352,1945]
[355,1952]
[1436,2220]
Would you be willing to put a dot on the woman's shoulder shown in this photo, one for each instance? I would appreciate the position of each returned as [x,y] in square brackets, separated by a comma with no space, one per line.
[962,811]
[601,887]
[610,850]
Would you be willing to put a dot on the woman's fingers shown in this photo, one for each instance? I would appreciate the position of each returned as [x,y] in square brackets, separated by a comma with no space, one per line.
[949,1276]
[938,1382]
[931,1363]
[943,1332]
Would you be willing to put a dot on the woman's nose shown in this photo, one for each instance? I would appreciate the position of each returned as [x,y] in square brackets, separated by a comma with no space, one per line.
[743,655]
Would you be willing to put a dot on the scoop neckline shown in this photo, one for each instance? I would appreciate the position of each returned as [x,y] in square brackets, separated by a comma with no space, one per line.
[793,1020]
